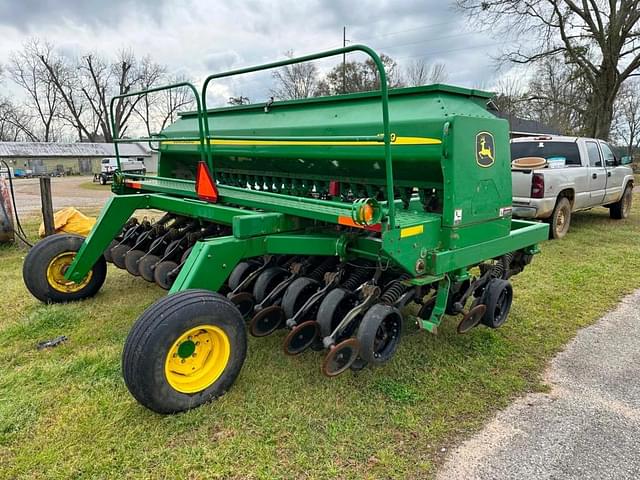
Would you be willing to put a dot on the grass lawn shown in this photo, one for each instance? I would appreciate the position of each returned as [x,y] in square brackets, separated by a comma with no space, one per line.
[95,186]
[65,412]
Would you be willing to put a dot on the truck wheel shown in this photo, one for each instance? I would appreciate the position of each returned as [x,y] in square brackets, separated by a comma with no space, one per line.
[103,180]
[185,350]
[498,296]
[46,263]
[621,209]
[560,219]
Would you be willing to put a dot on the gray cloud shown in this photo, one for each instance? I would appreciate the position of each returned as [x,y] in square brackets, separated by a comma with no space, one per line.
[31,14]
[197,37]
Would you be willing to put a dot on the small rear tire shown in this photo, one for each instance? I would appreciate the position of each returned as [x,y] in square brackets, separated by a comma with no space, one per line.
[46,263]
[161,274]
[107,252]
[118,254]
[131,260]
[333,308]
[297,294]
[379,333]
[185,350]
[241,272]
[146,267]
[498,296]
[267,281]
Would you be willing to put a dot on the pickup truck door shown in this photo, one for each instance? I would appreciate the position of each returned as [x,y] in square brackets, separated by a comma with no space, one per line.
[597,174]
[615,175]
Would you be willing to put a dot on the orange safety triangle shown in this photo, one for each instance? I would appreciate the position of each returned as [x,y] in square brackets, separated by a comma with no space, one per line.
[205,186]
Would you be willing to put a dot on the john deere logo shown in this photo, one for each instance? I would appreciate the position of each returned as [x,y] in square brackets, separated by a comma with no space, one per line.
[485,149]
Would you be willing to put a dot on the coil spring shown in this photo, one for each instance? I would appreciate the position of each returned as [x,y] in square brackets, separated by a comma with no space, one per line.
[395,290]
[501,267]
[356,279]
[289,261]
[326,266]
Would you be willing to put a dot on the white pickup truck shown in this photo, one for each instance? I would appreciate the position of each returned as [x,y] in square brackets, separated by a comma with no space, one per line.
[576,174]
[108,167]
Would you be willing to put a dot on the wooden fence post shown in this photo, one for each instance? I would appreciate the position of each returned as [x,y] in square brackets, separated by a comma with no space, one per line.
[47,205]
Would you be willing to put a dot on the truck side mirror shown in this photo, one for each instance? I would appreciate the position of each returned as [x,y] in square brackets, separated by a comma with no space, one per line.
[626,160]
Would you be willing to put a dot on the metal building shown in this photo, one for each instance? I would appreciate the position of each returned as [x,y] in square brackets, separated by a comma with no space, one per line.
[69,158]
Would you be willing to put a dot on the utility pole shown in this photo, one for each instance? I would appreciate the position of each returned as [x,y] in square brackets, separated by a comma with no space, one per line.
[344,60]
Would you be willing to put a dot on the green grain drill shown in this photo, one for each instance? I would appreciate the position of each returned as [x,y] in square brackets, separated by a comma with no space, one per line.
[333,220]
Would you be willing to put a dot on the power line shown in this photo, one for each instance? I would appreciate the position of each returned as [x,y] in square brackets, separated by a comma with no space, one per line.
[463,34]
[422,27]
[438,52]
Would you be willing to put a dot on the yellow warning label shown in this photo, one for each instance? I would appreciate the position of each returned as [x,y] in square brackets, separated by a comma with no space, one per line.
[411,231]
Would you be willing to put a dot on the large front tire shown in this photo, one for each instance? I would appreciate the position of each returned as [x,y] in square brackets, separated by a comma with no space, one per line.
[621,209]
[185,350]
[46,263]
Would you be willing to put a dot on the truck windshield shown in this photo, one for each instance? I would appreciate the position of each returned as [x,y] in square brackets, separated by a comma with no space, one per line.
[547,150]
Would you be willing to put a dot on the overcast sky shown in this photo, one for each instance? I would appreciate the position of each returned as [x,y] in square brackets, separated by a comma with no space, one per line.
[200,37]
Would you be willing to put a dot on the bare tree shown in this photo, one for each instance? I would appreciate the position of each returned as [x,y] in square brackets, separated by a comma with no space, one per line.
[173,101]
[599,38]
[87,84]
[295,81]
[359,77]
[510,97]
[239,100]
[43,99]
[420,72]
[627,126]
[14,124]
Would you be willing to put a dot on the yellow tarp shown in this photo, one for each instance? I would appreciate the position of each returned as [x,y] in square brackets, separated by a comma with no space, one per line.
[70,220]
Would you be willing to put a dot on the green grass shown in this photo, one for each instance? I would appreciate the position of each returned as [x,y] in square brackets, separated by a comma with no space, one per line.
[65,412]
[95,186]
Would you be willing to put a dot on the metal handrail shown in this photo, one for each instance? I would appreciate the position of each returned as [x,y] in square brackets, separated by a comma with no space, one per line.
[114,126]
[384,94]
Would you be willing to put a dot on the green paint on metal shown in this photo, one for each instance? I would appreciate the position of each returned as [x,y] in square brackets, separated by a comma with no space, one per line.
[186,349]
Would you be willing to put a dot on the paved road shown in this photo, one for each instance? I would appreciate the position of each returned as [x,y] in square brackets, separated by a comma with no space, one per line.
[66,192]
[587,427]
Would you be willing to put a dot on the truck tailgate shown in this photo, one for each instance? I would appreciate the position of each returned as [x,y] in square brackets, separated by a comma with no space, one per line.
[521,180]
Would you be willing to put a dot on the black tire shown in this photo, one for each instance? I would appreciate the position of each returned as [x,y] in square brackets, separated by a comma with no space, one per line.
[131,260]
[241,272]
[267,281]
[621,209]
[103,180]
[379,333]
[40,261]
[186,254]
[333,308]
[297,294]
[161,274]
[146,266]
[118,255]
[498,296]
[172,249]
[107,252]
[150,342]
[560,219]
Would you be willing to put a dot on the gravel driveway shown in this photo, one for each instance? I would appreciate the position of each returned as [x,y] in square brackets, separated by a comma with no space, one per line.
[66,192]
[587,427]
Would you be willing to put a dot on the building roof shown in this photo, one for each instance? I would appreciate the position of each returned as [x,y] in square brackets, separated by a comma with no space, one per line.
[44,150]
[522,126]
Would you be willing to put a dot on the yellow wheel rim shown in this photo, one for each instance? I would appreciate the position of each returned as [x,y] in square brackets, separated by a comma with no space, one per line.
[56,270]
[197,359]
